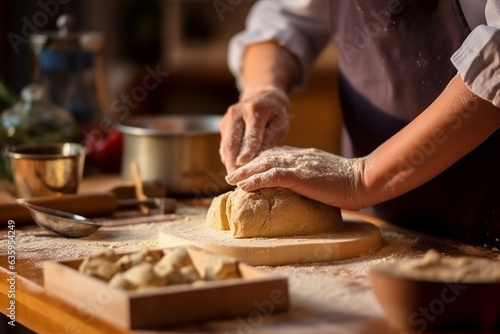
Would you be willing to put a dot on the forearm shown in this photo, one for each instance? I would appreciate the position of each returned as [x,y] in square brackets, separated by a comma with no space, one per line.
[267,65]
[456,123]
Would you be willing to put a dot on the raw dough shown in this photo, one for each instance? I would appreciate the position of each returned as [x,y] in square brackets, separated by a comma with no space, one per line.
[142,275]
[272,212]
[128,261]
[436,267]
[219,267]
[216,215]
[101,265]
[172,260]
[176,267]
[119,282]
[189,274]
[147,269]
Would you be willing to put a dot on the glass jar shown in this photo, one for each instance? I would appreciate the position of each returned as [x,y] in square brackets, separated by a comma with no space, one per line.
[34,119]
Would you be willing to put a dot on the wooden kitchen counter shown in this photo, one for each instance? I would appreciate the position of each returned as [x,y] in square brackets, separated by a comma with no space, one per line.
[325,298]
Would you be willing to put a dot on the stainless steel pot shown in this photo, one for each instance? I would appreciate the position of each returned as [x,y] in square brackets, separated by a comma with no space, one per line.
[182,151]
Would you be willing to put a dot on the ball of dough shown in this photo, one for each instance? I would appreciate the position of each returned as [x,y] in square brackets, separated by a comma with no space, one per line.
[274,212]
[216,215]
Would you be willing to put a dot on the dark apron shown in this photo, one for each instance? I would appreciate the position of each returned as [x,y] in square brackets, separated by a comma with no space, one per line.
[394,58]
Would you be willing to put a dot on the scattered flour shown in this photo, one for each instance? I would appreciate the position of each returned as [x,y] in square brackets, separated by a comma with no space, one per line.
[342,287]
[122,239]
[33,244]
[325,294]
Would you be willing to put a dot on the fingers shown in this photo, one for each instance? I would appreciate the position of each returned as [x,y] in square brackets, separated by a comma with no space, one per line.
[278,158]
[256,182]
[275,177]
[252,140]
[252,126]
[277,129]
[262,133]
[232,129]
[244,172]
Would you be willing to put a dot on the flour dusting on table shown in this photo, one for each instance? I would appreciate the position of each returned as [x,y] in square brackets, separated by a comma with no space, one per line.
[34,244]
[321,293]
[343,286]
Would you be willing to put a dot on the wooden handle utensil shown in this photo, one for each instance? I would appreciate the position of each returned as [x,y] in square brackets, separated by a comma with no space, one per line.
[87,205]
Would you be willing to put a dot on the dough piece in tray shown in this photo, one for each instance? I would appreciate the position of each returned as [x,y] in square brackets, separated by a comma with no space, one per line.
[171,265]
[219,267]
[101,265]
[120,282]
[143,275]
[173,259]
[189,274]
[130,260]
[148,269]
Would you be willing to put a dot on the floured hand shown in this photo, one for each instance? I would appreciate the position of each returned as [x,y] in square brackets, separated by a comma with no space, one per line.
[259,122]
[313,173]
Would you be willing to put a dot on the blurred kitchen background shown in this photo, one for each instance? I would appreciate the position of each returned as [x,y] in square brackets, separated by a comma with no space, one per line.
[186,38]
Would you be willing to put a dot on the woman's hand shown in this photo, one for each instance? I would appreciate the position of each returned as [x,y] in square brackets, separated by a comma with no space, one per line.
[313,173]
[258,122]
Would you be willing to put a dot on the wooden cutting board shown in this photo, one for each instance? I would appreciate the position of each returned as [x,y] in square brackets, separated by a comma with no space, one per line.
[358,237]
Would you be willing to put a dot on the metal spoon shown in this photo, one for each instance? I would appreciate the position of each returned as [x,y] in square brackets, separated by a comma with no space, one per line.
[60,222]
[75,226]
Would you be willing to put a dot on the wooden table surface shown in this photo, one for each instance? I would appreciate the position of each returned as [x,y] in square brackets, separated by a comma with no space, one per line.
[325,298]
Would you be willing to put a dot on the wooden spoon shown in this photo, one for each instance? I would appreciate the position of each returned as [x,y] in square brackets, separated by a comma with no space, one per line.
[139,190]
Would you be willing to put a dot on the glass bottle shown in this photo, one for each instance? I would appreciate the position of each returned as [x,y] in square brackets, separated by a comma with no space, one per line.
[34,119]
[70,65]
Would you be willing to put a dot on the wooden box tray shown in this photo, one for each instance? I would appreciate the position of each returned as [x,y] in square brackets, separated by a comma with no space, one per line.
[255,291]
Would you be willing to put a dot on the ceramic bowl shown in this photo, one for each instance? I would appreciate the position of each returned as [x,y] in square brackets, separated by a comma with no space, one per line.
[419,305]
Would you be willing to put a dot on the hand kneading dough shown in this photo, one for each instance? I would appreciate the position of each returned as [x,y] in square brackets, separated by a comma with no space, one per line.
[272,212]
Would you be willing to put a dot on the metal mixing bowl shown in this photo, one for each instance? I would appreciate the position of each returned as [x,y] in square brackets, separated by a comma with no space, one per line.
[180,150]
[46,169]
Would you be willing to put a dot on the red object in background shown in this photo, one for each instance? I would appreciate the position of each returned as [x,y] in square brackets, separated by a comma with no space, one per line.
[106,154]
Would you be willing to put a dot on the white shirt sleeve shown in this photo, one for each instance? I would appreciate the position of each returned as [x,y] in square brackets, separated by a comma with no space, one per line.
[300,26]
[478,59]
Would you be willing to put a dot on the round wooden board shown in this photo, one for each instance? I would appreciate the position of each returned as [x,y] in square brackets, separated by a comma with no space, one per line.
[356,238]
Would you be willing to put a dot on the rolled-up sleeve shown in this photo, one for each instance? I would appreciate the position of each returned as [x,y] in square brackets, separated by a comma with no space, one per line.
[478,59]
[300,26]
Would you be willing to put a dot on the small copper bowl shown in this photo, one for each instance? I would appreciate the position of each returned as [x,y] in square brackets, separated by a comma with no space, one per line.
[46,169]
[419,305]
